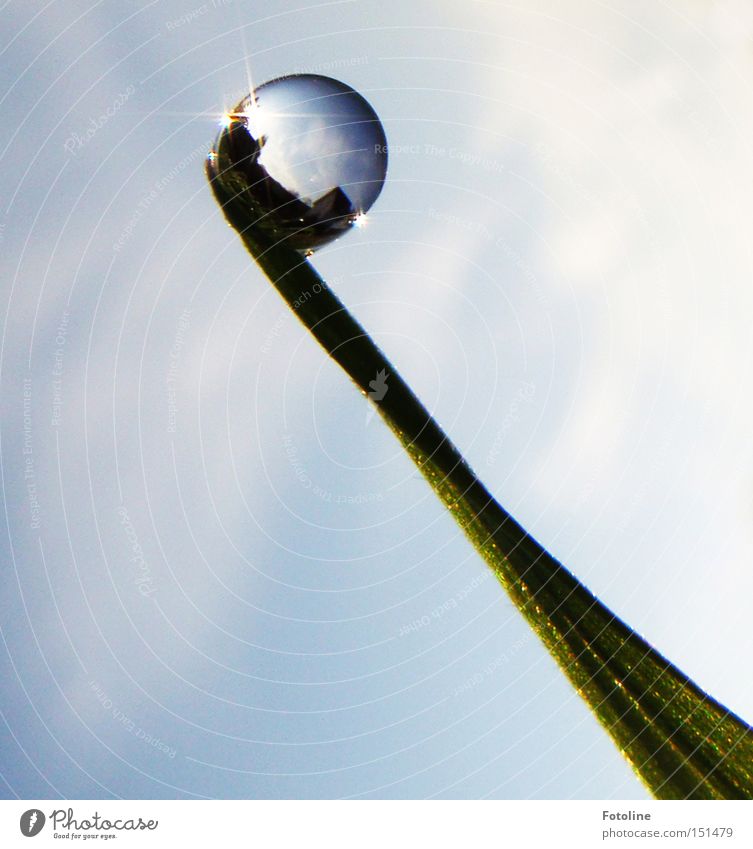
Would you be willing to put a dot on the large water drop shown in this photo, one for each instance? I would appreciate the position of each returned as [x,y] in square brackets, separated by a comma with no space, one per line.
[307,152]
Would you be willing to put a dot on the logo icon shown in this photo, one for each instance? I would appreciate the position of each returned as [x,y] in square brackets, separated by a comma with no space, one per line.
[378,389]
[32,822]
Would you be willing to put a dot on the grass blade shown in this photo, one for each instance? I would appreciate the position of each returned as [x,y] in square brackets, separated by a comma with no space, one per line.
[681,742]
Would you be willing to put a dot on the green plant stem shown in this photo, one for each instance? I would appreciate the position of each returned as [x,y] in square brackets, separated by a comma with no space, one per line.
[682,743]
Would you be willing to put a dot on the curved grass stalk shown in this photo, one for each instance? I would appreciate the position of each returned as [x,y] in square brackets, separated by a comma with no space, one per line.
[681,742]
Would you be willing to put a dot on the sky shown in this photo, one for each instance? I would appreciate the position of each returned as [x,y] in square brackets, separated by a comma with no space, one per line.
[221,577]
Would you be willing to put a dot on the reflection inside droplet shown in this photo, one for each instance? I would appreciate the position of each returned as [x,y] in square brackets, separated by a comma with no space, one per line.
[308,153]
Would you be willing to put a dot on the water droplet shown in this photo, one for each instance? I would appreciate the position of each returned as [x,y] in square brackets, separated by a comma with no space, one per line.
[306,153]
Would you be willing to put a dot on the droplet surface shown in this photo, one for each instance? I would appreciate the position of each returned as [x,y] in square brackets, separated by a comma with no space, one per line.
[306,153]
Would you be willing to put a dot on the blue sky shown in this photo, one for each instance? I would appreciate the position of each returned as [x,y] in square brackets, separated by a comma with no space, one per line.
[214,561]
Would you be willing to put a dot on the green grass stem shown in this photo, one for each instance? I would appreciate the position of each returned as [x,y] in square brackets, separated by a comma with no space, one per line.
[681,742]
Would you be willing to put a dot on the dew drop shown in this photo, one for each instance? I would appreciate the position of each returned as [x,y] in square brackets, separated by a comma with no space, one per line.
[308,155]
